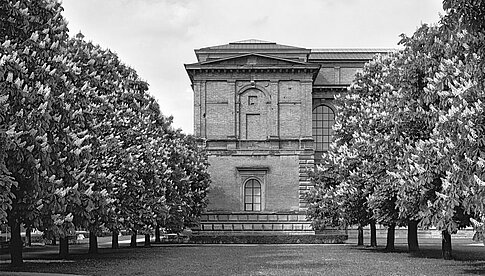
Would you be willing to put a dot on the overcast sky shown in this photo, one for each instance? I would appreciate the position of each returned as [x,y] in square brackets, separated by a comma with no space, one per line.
[156,37]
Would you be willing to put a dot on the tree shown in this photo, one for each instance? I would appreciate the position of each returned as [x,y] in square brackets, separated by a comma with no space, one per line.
[446,165]
[187,182]
[424,127]
[33,78]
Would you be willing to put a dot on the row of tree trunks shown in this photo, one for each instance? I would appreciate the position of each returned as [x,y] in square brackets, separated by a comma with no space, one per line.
[93,243]
[412,237]
[413,245]
[373,236]
[391,236]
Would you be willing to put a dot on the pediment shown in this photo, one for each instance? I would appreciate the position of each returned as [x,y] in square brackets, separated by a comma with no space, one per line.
[251,60]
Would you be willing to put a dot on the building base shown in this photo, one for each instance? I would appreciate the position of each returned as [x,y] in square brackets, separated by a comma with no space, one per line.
[264,228]
[261,238]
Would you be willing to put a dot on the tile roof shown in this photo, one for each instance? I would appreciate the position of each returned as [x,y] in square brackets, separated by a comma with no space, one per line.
[340,54]
[251,44]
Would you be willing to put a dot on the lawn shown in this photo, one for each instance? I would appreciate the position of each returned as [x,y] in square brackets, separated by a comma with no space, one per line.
[295,259]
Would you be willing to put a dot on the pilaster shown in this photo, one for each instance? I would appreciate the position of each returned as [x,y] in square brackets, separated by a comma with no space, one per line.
[203,109]
[274,112]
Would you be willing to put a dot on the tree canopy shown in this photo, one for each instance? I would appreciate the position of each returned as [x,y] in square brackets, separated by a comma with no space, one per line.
[83,143]
[409,134]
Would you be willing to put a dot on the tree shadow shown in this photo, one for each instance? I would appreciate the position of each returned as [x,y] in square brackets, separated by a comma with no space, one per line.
[471,258]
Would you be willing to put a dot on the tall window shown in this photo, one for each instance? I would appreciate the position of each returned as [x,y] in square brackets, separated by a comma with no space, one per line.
[323,119]
[252,195]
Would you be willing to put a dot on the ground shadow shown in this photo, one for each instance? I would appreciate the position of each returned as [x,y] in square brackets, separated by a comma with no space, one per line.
[470,257]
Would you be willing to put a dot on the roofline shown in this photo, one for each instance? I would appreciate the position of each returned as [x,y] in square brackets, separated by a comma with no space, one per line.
[342,60]
[250,54]
[195,66]
[243,50]
[353,50]
[287,47]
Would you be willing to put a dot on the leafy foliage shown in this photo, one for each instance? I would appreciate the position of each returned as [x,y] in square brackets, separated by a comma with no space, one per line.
[83,144]
[409,133]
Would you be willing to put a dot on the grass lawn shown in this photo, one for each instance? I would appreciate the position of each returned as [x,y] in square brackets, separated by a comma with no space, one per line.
[290,259]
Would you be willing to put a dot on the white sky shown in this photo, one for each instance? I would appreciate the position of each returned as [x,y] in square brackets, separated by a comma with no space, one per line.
[156,37]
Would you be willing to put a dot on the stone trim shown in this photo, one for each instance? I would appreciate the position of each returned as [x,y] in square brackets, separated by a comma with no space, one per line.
[306,162]
[224,223]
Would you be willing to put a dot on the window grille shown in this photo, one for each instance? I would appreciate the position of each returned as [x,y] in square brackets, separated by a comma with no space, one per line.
[252,195]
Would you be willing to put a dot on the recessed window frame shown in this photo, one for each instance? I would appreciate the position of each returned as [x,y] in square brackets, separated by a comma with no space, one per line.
[252,100]
[245,173]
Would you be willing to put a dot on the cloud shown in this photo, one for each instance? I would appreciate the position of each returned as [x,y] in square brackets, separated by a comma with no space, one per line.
[157,37]
[168,18]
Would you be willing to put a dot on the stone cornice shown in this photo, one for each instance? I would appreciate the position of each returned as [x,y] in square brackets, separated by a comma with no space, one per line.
[198,69]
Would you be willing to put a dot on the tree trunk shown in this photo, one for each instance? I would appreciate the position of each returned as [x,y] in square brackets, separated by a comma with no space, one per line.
[446,245]
[28,236]
[360,237]
[391,234]
[147,240]
[114,240]
[16,244]
[157,233]
[413,245]
[63,247]
[54,241]
[373,237]
[93,243]
[133,239]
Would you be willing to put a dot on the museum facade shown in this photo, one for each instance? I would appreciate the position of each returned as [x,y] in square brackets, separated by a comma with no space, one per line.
[264,114]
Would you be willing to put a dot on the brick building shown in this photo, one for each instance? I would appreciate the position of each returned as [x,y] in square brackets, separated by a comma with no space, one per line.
[265,114]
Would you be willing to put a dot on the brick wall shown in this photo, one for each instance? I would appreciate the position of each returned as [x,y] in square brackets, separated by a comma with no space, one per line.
[281,190]
[281,132]
[217,113]
[289,120]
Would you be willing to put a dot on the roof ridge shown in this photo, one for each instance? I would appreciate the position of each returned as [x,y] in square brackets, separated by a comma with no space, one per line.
[252,41]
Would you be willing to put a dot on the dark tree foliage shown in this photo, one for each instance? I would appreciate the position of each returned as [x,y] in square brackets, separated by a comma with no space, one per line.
[82,143]
[410,133]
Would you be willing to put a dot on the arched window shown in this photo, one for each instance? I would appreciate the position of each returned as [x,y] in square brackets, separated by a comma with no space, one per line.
[323,119]
[252,195]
